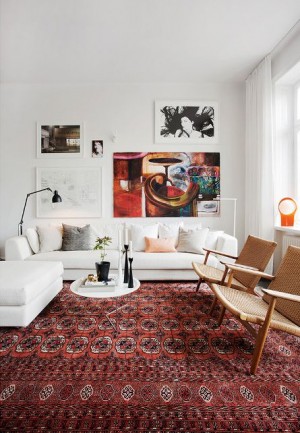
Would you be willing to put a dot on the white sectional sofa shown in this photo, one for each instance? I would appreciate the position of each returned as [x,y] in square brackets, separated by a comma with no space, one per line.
[46,243]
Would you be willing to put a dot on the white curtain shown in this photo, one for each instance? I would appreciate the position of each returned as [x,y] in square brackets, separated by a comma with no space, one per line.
[259,202]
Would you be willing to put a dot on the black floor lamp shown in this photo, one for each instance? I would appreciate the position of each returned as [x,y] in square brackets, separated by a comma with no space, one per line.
[55,199]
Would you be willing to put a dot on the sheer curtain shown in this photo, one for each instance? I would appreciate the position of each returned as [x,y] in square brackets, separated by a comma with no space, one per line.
[259,208]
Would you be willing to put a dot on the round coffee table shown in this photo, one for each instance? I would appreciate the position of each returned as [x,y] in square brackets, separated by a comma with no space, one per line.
[104,291]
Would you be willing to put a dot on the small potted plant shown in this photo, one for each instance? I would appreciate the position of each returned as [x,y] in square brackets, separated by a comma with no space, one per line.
[102,267]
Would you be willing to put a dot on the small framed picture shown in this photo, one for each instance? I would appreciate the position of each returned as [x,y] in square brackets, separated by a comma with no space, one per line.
[188,122]
[59,141]
[208,208]
[97,148]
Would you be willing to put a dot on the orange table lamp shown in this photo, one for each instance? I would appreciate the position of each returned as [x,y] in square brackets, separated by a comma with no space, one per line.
[287,208]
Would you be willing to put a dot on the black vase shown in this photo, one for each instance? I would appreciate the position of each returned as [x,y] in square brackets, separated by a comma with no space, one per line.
[102,269]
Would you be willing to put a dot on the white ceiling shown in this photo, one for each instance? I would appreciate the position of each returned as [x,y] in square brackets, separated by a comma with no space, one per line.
[138,41]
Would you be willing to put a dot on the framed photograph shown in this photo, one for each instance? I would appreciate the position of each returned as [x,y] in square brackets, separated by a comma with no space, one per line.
[208,208]
[59,141]
[186,122]
[97,148]
[79,187]
[166,184]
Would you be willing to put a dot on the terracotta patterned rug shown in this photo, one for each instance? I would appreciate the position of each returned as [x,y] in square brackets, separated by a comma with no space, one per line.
[165,368]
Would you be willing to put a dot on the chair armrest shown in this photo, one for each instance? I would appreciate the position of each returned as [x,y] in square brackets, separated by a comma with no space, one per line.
[249,270]
[220,253]
[282,295]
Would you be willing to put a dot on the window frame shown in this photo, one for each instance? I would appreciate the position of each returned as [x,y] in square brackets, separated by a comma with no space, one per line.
[296,137]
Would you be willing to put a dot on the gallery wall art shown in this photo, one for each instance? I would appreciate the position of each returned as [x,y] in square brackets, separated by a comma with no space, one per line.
[166,184]
[97,148]
[186,122]
[59,141]
[79,187]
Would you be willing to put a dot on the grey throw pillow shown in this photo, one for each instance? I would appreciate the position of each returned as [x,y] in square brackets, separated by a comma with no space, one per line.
[77,238]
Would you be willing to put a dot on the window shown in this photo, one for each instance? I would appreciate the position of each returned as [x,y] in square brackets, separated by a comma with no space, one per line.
[287,138]
[297,141]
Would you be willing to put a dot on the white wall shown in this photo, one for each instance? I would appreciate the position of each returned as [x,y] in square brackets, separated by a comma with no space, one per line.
[104,109]
[287,53]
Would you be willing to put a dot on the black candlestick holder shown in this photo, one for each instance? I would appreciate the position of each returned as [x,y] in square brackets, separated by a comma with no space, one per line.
[130,281]
[126,264]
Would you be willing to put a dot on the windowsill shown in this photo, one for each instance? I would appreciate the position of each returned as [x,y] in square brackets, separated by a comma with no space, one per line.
[289,229]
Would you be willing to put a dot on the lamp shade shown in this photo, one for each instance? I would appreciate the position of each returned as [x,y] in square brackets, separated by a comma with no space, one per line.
[287,208]
[56,197]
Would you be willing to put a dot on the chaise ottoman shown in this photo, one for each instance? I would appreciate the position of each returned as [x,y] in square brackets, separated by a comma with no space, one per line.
[26,288]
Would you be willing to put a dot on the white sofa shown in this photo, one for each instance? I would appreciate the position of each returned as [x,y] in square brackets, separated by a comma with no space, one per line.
[26,288]
[146,265]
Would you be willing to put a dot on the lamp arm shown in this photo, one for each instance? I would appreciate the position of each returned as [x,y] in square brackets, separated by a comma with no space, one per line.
[31,193]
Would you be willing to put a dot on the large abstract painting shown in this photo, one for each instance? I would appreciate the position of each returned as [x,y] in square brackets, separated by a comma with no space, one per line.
[166,184]
[186,122]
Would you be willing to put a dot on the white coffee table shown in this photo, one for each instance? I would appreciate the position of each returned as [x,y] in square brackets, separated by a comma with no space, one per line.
[110,292]
[104,291]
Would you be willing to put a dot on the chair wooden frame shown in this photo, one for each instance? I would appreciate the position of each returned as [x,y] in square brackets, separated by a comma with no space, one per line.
[273,310]
[255,255]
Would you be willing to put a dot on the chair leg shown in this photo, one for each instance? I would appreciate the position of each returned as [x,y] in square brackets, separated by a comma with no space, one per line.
[261,337]
[223,310]
[213,305]
[199,283]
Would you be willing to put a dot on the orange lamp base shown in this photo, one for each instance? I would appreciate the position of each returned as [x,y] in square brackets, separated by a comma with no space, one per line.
[287,220]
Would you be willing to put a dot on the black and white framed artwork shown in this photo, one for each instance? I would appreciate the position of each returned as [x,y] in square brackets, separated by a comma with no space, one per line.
[186,122]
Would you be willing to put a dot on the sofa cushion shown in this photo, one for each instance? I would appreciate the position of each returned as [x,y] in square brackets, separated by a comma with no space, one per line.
[23,281]
[78,259]
[139,232]
[86,260]
[169,231]
[192,240]
[161,245]
[33,239]
[50,237]
[78,238]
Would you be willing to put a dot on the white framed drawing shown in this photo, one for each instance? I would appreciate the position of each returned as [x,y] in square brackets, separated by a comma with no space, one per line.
[189,122]
[58,140]
[79,187]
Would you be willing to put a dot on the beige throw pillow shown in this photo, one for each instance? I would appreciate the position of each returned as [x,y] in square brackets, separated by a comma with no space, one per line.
[192,240]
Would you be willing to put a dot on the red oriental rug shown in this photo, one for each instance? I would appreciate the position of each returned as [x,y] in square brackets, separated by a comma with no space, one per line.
[166,368]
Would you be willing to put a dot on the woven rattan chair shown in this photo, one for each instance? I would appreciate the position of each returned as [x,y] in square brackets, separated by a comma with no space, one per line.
[279,308]
[256,254]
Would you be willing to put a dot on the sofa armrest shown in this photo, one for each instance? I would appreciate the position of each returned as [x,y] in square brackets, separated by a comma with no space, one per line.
[228,245]
[17,248]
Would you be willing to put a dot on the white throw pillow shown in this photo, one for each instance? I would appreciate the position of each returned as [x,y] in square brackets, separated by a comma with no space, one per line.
[169,231]
[33,239]
[192,240]
[138,233]
[50,237]
[212,239]
[111,231]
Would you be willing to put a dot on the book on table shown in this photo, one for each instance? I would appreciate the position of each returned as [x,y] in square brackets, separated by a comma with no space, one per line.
[93,286]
